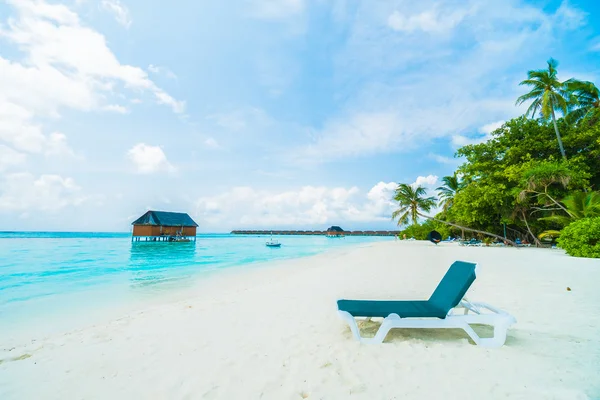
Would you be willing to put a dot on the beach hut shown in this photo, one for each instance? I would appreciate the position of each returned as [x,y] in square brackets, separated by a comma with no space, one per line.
[163,226]
[335,231]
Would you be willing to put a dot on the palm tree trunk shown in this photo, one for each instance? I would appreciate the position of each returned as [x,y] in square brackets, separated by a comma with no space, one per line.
[469,229]
[556,202]
[535,239]
[560,143]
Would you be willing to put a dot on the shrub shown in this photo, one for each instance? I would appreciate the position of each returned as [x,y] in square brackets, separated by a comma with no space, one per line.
[582,238]
[420,231]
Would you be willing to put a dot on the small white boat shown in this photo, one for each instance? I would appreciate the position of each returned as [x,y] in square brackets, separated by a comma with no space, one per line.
[272,243]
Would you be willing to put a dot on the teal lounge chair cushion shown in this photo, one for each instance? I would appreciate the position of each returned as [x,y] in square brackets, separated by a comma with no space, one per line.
[449,292]
[453,286]
[377,308]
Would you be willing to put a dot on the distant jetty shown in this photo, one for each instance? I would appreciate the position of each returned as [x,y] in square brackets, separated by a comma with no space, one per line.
[333,231]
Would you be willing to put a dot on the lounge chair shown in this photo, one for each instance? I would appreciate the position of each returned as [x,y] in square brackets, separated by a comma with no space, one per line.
[437,312]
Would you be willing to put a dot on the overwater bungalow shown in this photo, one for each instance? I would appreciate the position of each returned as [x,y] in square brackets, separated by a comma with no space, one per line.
[163,226]
[335,231]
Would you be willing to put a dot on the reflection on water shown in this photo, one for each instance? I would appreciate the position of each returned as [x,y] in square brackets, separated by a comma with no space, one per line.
[155,254]
[157,266]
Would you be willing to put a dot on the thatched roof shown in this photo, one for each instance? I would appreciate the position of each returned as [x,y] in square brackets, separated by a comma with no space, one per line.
[334,228]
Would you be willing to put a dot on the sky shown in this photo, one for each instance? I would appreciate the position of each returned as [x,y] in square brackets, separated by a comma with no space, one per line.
[259,114]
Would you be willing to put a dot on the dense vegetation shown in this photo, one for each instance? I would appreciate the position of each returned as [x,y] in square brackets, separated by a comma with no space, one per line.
[533,177]
[582,238]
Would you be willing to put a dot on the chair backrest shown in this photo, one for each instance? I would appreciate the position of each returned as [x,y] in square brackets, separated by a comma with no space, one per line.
[453,286]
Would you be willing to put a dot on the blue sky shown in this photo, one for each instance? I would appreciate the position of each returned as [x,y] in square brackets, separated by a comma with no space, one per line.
[258,113]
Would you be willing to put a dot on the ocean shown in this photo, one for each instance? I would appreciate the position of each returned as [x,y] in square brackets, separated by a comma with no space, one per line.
[53,281]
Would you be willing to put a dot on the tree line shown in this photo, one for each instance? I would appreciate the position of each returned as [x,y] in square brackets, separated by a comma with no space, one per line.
[536,178]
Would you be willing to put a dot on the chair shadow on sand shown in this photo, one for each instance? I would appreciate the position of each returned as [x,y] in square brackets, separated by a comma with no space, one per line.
[368,329]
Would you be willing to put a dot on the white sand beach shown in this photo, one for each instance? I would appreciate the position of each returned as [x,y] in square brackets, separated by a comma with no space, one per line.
[272,332]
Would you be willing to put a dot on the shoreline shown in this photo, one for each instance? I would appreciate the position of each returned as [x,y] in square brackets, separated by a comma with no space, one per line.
[281,316]
[169,292]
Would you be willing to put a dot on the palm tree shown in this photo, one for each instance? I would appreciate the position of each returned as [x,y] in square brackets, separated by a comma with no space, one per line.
[411,201]
[548,94]
[578,205]
[587,97]
[447,191]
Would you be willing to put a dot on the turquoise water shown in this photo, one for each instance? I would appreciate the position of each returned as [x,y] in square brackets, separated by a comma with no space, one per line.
[46,277]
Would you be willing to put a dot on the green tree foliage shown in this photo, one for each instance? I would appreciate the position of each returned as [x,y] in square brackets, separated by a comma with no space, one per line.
[587,99]
[420,231]
[577,205]
[516,182]
[516,178]
[582,238]
[410,202]
[447,191]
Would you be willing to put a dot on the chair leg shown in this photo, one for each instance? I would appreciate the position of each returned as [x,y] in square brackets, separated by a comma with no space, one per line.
[382,332]
[500,330]
[386,325]
[351,321]
[501,323]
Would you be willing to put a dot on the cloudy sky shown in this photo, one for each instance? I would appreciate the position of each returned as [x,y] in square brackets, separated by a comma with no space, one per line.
[258,113]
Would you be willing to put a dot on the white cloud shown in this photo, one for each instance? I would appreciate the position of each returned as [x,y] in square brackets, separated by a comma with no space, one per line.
[380,204]
[241,119]
[276,9]
[163,97]
[491,127]
[309,206]
[363,133]
[485,135]
[426,181]
[116,108]
[17,129]
[433,20]
[119,10]
[461,140]
[155,69]
[442,159]
[26,192]
[399,98]
[568,17]
[9,157]
[149,159]
[211,143]
[56,145]
[65,65]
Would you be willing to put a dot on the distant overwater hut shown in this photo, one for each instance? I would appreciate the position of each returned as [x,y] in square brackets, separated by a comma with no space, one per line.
[335,231]
[163,226]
